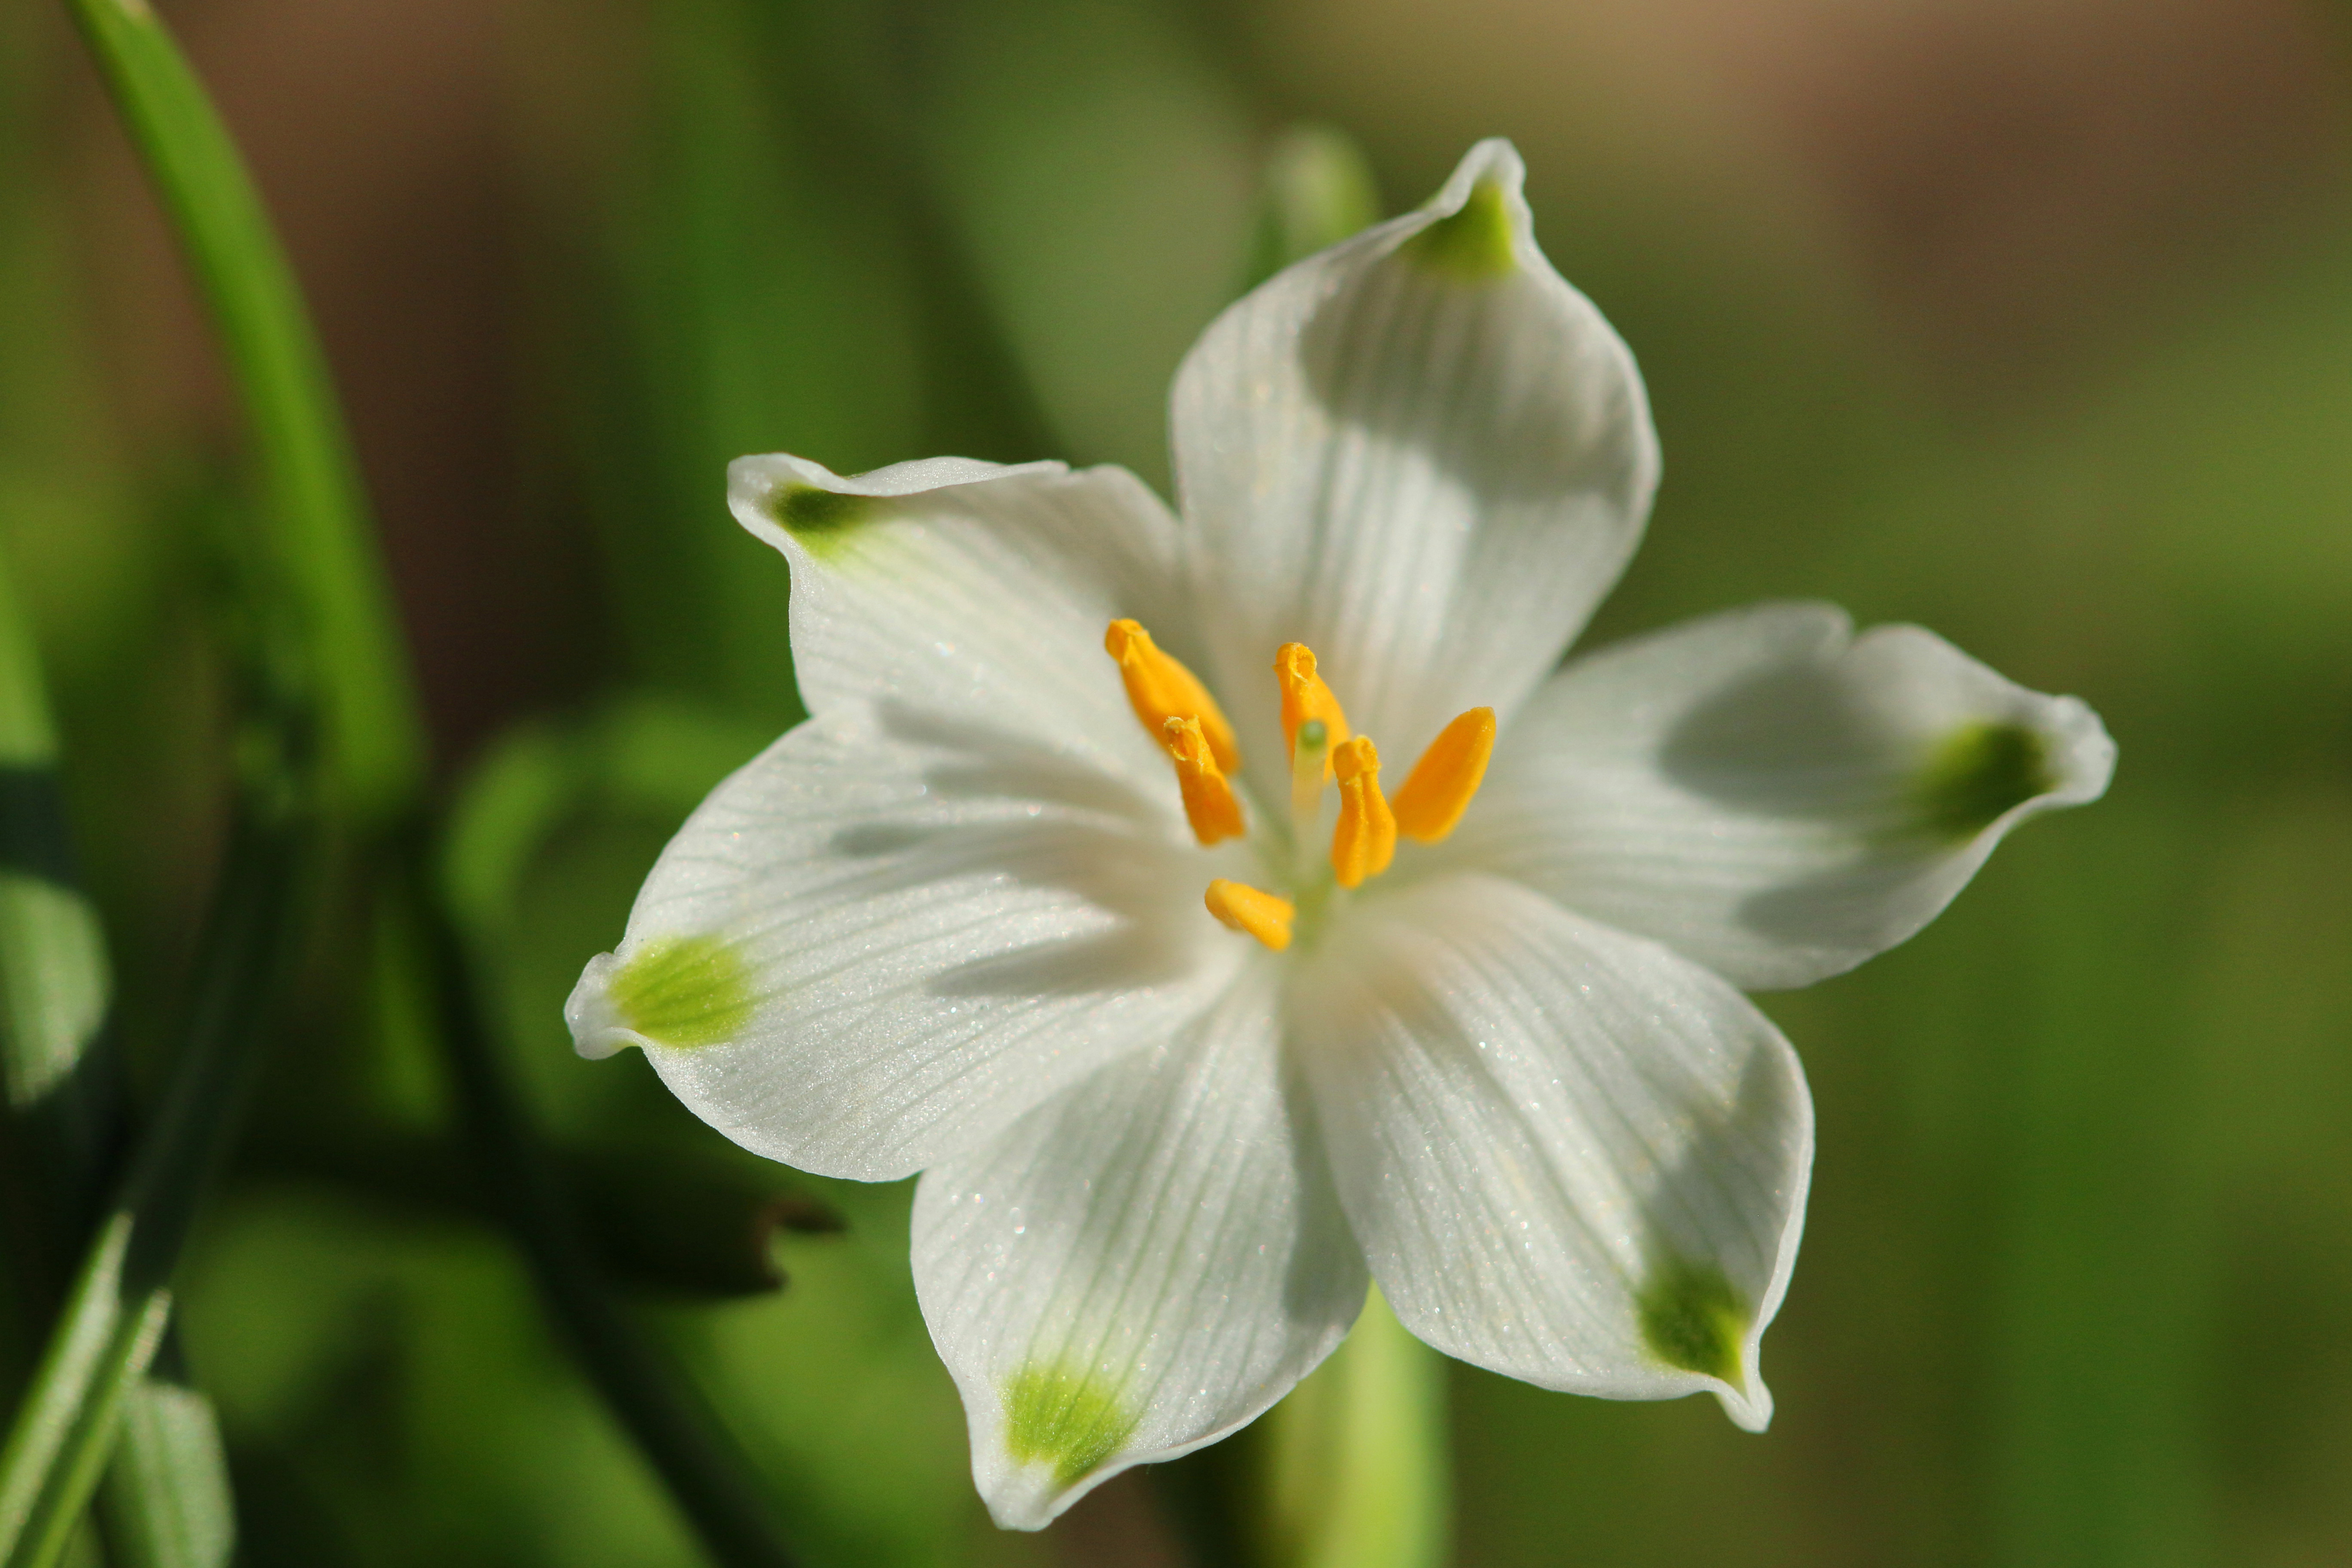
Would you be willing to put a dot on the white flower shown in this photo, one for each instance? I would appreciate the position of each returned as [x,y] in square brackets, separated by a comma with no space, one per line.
[955,923]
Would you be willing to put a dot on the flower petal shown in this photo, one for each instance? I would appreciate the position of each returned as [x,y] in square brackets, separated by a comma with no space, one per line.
[1572,1156]
[1420,453]
[1771,795]
[891,932]
[1138,1266]
[966,588]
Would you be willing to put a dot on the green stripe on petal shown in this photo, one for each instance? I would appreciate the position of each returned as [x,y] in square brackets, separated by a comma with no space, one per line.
[684,990]
[1693,1318]
[1976,773]
[1066,1419]
[1473,244]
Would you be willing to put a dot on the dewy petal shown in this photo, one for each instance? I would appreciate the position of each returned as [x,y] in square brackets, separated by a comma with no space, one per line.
[1771,795]
[892,933]
[1421,453]
[1572,1156]
[1138,1266]
[964,587]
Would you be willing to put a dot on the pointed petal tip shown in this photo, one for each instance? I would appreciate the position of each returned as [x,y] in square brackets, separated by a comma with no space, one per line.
[1495,158]
[1027,1496]
[595,1023]
[2086,762]
[778,495]
[1750,1409]
[1477,228]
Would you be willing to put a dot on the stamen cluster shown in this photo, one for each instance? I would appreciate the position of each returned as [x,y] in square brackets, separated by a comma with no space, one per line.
[1172,704]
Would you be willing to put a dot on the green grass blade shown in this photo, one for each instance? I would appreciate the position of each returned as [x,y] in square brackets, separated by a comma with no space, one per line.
[64,1429]
[53,981]
[114,1318]
[312,498]
[165,1502]
[170,1505]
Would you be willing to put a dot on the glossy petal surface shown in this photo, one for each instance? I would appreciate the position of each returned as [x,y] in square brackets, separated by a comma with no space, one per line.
[1771,794]
[973,592]
[890,934]
[1421,453]
[1138,1266]
[1571,1155]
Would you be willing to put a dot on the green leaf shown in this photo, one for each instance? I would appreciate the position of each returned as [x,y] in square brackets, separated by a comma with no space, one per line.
[165,1500]
[168,1488]
[642,753]
[53,981]
[313,503]
[114,1317]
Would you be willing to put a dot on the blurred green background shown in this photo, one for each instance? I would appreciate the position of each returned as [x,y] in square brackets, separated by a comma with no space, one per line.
[2031,322]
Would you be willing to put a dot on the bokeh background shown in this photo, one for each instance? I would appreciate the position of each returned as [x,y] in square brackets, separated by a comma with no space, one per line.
[2027,319]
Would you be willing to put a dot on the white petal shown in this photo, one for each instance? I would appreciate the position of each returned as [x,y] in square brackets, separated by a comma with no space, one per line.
[1771,795]
[1427,470]
[890,934]
[1138,1267]
[1571,1156]
[964,587]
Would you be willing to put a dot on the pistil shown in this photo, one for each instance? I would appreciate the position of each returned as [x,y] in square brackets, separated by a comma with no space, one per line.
[1310,764]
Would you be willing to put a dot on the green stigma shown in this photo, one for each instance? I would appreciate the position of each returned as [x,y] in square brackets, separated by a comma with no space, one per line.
[1068,1420]
[1472,246]
[1693,1317]
[684,990]
[1976,773]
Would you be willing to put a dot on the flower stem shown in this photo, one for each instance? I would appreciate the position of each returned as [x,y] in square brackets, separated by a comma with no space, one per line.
[1356,1456]
[313,500]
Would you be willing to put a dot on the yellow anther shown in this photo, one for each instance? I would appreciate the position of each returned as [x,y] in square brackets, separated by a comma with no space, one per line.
[1365,841]
[1160,688]
[1209,802]
[1245,908]
[1438,790]
[1305,696]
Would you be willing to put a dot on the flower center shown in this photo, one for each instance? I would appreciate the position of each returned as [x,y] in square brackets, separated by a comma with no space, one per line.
[1173,704]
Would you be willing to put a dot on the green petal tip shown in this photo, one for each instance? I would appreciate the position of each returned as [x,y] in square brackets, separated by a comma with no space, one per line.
[1471,244]
[684,990]
[811,513]
[1068,1420]
[1693,1317]
[1978,773]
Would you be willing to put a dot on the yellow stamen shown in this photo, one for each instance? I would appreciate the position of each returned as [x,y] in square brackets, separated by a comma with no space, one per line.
[1245,908]
[1209,802]
[1365,841]
[1305,696]
[1439,788]
[1160,688]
